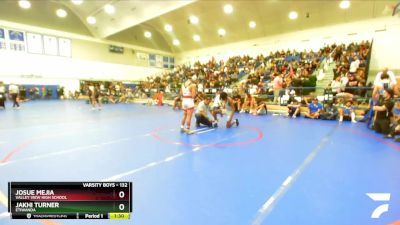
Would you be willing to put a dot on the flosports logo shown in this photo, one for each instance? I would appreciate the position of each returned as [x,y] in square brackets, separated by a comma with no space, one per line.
[379,197]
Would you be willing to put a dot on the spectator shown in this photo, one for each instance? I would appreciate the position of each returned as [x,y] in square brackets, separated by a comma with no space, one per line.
[278,82]
[159,97]
[370,113]
[352,85]
[237,102]
[44,92]
[395,125]
[354,65]
[384,80]
[60,93]
[314,109]
[129,97]
[77,94]
[383,113]
[2,95]
[34,93]
[336,85]
[22,93]
[294,109]
[248,104]
[329,112]
[347,112]
[343,80]
[261,109]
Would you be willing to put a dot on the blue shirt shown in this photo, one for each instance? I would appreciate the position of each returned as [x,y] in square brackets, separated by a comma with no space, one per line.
[396,111]
[314,107]
[347,110]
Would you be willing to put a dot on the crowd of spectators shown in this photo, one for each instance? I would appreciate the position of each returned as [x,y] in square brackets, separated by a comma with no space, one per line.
[258,75]
[351,69]
[275,75]
[278,74]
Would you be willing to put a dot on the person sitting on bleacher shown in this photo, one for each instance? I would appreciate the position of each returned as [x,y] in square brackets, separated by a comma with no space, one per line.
[354,65]
[347,112]
[352,85]
[314,109]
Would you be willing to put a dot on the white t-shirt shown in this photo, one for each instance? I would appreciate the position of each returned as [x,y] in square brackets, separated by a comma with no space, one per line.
[336,85]
[354,66]
[13,89]
[200,87]
[378,80]
[253,90]
[344,80]
[202,108]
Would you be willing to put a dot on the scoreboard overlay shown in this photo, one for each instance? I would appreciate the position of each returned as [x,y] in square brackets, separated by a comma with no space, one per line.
[70,200]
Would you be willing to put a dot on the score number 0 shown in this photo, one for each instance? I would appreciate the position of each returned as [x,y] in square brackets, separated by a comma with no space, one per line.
[121,194]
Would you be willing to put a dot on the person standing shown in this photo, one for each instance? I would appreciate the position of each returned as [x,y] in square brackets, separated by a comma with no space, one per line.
[277,85]
[93,92]
[14,90]
[188,91]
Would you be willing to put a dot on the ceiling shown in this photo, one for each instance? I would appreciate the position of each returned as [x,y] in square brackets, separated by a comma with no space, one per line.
[132,18]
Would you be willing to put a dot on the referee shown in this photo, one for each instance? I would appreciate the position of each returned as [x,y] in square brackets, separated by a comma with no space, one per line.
[202,113]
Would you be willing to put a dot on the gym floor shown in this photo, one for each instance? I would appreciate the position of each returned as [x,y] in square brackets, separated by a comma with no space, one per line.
[269,170]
